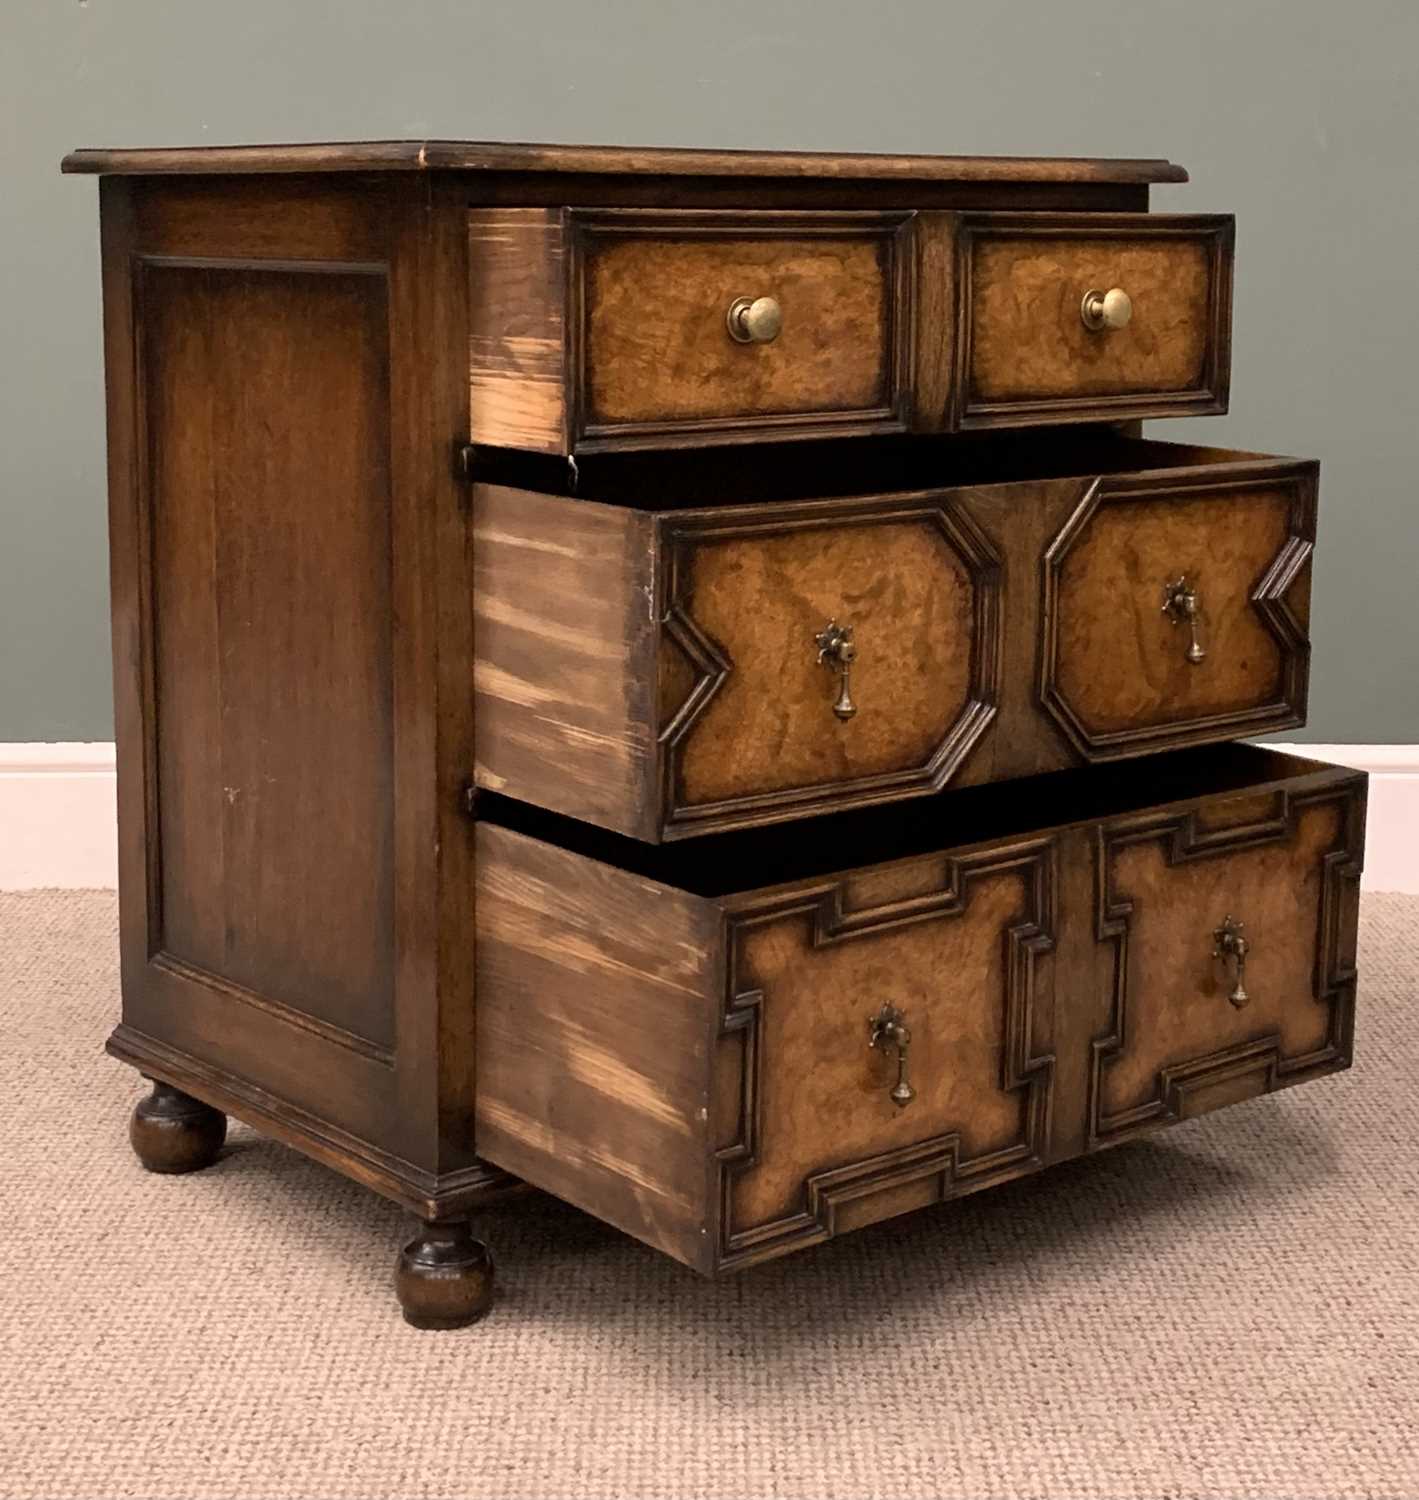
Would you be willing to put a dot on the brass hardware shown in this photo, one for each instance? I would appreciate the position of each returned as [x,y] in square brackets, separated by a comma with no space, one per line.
[1180,604]
[1104,310]
[836,651]
[1231,945]
[754,320]
[888,1028]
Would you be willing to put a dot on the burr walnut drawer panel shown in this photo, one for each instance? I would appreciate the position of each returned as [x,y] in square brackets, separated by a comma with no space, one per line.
[665,668]
[737,1051]
[1087,317]
[644,328]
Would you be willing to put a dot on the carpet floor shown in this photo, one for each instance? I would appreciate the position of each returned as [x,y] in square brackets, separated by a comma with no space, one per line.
[1230,1310]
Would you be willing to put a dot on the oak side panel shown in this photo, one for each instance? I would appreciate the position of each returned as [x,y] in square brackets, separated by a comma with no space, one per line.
[596,992]
[287,369]
[564,677]
[518,358]
[271,619]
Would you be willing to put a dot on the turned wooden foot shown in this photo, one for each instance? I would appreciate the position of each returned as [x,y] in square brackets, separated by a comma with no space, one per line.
[444,1277]
[173,1132]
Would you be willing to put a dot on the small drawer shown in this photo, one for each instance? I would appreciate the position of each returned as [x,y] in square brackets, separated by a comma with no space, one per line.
[1090,317]
[737,1050]
[664,668]
[607,329]
[638,328]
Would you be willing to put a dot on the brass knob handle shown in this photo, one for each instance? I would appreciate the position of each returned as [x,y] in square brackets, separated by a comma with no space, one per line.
[754,320]
[1229,944]
[1110,309]
[1182,607]
[837,652]
[888,1028]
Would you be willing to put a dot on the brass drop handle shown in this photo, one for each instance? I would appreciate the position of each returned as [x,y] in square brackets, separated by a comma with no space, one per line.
[754,320]
[888,1028]
[837,652]
[1182,607]
[1102,311]
[1231,946]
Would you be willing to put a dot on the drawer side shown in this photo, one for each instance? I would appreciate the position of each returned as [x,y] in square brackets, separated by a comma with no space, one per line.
[564,656]
[595,995]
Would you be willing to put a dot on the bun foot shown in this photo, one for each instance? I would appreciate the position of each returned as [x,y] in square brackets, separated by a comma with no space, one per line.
[444,1277]
[173,1132]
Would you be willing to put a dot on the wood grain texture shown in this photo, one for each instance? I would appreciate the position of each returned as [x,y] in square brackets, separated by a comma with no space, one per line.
[517,282]
[285,367]
[565,668]
[1029,341]
[596,329]
[271,623]
[1002,630]
[695,1067]
[488,156]
[811,981]
[604,329]
[657,349]
[910,599]
[595,989]
[1111,587]
[1243,541]
[1023,353]
[1176,1045]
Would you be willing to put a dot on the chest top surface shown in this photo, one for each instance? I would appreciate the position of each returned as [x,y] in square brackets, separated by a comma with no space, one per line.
[496,156]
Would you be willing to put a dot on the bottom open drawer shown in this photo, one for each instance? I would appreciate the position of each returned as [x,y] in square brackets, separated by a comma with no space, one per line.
[703,1044]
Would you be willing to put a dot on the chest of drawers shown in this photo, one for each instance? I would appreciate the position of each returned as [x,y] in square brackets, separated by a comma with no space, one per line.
[676,679]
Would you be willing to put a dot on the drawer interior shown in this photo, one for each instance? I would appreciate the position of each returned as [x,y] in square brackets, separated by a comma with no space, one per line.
[716,865]
[822,470]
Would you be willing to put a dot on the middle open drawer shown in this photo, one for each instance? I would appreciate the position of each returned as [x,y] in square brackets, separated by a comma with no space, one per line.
[672,653]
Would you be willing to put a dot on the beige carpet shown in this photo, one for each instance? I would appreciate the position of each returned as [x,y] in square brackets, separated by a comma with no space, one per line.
[1232,1310]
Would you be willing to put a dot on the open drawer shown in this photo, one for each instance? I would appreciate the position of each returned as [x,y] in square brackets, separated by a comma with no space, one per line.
[718,648]
[599,329]
[736,1048]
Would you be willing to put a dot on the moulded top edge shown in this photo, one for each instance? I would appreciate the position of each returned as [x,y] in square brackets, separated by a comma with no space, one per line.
[487,156]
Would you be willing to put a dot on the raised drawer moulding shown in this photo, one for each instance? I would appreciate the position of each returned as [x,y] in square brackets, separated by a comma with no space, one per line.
[57,814]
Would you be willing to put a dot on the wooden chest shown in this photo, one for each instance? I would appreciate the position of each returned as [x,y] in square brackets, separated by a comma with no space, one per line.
[675,678]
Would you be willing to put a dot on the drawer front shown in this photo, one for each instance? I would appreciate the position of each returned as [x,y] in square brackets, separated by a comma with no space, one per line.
[1230,941]
[1029,350]
[679,672]
[816,1130]
[1175,610]
[766,711]
[635,328]
[732,1077]
[659,357]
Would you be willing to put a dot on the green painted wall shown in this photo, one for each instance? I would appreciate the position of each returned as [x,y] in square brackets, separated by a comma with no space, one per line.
[1303,118]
